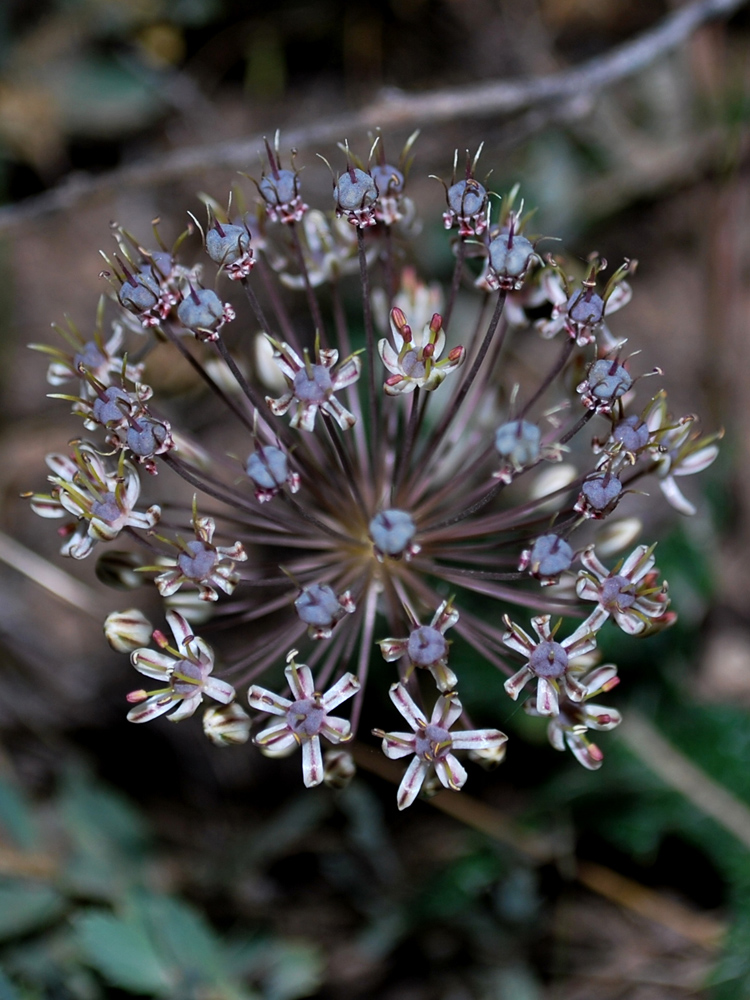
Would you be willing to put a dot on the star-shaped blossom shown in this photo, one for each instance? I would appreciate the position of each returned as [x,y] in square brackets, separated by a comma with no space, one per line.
[573,720]
[629,593]
[580,311]
[426,646]
[677,451]
[432,744]
[91,361]
[305,718]
[312,385]
[185,670]
[102,498]
[414,361]
[549,661]
[203,564]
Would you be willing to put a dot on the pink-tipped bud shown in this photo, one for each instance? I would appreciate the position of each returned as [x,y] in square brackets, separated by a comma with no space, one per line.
[394,379]
[136,696]
[611,684]
[456,354]
[595,753]
[160,639]
[428,350]
[436,323]
[399,318]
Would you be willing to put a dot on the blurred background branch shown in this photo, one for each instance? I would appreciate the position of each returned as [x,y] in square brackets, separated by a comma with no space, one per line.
[568,94]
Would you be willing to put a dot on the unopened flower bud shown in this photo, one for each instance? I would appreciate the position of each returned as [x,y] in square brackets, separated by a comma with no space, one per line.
[632,433]
[140,291]
[355,194]
[489,757]
[607,381]
[585,308]
[118,570]
[127,630]
[339,768]
[388,180]
[225,244]
[511,256]
[392,531]
[268,467]
[599,494]
[520,442]
[549,556]
[201,310]
[279,188]
[227,725]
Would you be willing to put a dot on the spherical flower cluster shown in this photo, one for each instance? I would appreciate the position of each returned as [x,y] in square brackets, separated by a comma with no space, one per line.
[381,482]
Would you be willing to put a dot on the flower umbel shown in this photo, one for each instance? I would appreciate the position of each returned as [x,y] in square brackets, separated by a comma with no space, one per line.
[406,493]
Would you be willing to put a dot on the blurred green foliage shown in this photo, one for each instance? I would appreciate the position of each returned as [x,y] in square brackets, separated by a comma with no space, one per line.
[86,914]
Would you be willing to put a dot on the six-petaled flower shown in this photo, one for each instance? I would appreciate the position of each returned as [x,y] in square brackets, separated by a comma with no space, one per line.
[306,718]
[432,743]
[185,670]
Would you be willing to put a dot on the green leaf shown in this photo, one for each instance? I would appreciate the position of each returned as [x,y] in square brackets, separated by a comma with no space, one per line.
[182,936]
[15,816]
[7,989]
[120,950]
[109,837]
[26,906]
[296,970]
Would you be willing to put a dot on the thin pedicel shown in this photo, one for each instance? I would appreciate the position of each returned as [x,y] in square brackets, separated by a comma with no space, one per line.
[391,487]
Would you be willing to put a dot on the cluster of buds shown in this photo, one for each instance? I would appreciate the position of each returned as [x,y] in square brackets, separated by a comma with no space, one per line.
[373,516]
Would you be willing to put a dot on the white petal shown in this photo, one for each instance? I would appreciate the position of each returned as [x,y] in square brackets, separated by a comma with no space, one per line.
[585,753]
[276,741]
[547,702]
[478,739]
[447,709]
[187,708]
[181,630]
[514,685]
[406,706]
[672,492]
[312,762]
[396,745]
[593,564]
[451,772]
[344,688]
[300,680]
[336,730]
[636,566]
[610,717]
[151,663]
[389,357]
[411,783]
[219,690]
[152,708]
[697,461]
[267,701]
[556,734]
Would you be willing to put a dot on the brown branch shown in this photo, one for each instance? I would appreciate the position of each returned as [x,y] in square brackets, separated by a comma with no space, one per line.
[394,109]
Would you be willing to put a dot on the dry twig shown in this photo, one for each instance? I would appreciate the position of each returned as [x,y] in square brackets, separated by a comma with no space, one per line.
[394,110]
